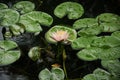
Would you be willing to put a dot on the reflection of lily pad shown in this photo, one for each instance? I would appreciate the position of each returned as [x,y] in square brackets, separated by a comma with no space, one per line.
[24,6]
[71,32]
[8,17]
[8,53]
[72,9]
[108,17]
[3,6]
[85,22]
[34,19]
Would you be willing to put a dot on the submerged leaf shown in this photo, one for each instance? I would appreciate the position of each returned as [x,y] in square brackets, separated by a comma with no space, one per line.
[24,6]
[8,17]
[72,9]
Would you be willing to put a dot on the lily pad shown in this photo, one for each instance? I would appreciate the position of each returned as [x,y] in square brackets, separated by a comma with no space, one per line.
[24,6]
[84,23]
[8,53]
[91,31]
[34,53]
[72,9]
[8,17]
[89,54]
[82,42]
[108,17]
[71,34]
[3,6]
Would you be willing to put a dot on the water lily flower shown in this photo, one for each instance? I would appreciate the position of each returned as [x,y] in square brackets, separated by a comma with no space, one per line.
[60,35]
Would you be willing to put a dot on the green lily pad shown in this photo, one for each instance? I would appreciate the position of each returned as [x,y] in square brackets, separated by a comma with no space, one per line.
[7,45]
[110,27]
[24,6]
[34,53]
[8,17]
[89,54]
[71,34]
[84,23]
[3,6]
[108,17]
[72,9]
[45,74]
[82,42]
[91,31]
[8,52]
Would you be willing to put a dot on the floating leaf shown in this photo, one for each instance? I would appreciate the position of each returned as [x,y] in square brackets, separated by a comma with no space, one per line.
[113,66]
[34,19]
[84,23]
[107,17]
[89,77]
[91,31]
[116,34]
[8,53]
[3,6]
[106,41]
[59,73]
[34,53]
[8,17]
[110,53]
[89,54]
[71,34]
[7,45]
[82,42]
[45,74]
[24,6]
[72,9]
[110,27]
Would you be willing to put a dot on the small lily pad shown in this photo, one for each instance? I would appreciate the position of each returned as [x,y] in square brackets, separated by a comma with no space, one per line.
[24,6]
[72,9]
[8,17]
[71,34]
[84,23]
[3,6]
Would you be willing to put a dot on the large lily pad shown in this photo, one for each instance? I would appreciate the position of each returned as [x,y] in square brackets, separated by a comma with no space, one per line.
[89,54]
[72,9]
[71,34]
[108,17]
[3,6]
[34,19]
[82,42]
[8,53]
[84,23]
[8,17]
[24,6]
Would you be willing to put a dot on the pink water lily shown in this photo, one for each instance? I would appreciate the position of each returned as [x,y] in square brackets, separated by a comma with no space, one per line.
[60,35]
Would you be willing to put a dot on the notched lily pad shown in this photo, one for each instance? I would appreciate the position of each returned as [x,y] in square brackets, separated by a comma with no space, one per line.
[84,23]
[34,19]
[8,17]
[8,52]
[60,33]
[24,6]
[72,9]
[3,6]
